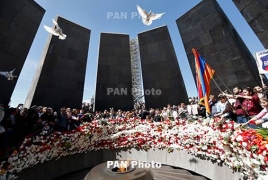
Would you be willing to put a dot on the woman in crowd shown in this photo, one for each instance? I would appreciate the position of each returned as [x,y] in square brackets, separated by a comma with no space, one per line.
[164,113]
[259,92]
[251,102]
[75,118]
[250,105]
[262,117]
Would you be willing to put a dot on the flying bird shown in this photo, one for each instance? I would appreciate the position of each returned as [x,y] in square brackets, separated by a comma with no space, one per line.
[9,74]
[57,31]
[148,18]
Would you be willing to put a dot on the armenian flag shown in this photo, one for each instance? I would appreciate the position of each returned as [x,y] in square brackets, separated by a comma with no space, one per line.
[204,73]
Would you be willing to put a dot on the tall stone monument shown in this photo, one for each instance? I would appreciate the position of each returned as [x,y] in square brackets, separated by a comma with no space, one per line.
[162,78]
[256,14]
[114,82]
[60,75]
[207,28]
[19,21]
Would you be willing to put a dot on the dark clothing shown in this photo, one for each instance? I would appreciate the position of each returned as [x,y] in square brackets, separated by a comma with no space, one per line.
[144,114]
[37,128]
[20,127]
[212,106]
[48,117]
[157,118]
[106,115]
[62,123]
[202,111]
[32,117]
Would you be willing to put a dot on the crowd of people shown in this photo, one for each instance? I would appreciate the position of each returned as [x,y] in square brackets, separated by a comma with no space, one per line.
[16,123]
[248,106]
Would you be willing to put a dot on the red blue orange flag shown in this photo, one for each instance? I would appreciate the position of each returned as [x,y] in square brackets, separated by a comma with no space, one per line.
[204,73]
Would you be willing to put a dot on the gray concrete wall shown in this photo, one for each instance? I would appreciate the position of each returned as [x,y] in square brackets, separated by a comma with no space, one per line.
[160,69]
[65,165]
[19,21]
[255,13]
[207,28]
[60,75]
[114,73]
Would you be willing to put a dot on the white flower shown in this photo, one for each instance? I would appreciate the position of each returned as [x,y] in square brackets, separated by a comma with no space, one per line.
[239,138]
[244,144]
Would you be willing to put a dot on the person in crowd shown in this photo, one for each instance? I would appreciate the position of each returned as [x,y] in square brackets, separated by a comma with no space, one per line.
[87,117]
[201,109]
[49,117]
[32,117]
[129,114]
[164,113]
[189,107]
[112,113]
[71,125]
[169,111]
[139,113]
[8,123]
[40,111]
[44,110]
[2,129]
[20,125]
[224,108]
[97,115]
[119,114]
[175,113]
[106,114]
[144,113]
[46,130]
[251,102]
[259,92]
[38,127]
[250,106]
[183,111]
[212,104]
[76,118]
[195,100]
[262,117]
[62,120]
[148,119]
[239,112]
[134,112]
[152,113]
[157,117]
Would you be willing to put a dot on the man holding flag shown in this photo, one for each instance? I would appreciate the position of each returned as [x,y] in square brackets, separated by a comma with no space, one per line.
[204,73]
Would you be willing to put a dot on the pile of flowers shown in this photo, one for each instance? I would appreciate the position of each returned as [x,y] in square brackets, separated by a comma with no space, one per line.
[243,150]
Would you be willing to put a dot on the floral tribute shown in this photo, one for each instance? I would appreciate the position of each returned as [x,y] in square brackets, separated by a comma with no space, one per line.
[243,150]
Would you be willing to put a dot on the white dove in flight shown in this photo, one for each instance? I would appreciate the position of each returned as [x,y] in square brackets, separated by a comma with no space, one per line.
[8,74]
[57,31]
[148,18]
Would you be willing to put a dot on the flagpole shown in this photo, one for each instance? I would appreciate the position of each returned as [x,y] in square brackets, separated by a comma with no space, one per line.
[217,85]
[262,80]
[223,83]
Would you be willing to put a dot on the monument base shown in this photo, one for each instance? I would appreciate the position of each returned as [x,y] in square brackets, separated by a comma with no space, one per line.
[112,172]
